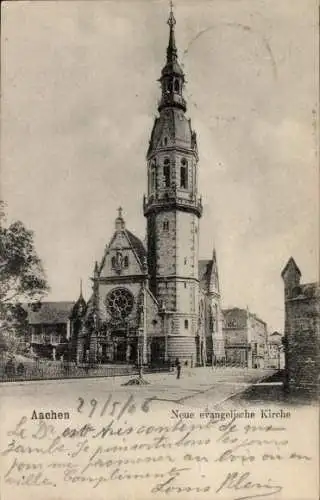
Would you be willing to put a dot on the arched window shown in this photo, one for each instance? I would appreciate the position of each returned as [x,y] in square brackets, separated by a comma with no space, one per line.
[166,225]
[165,141]
[176,86]
[186,324]
[153,177]
[113,262]
[126,261]
[184,174]
[166,172]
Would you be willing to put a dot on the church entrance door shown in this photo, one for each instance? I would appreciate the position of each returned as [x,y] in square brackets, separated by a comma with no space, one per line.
[120,351]
[157,351]
[133,352]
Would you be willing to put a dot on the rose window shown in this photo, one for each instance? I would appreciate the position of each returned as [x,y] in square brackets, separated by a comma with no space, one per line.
[119,303]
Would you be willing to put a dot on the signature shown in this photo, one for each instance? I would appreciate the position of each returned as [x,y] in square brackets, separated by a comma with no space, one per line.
[242,481]
[169,486]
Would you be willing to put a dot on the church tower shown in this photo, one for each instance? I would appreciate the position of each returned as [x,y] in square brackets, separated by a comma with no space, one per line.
[173,209]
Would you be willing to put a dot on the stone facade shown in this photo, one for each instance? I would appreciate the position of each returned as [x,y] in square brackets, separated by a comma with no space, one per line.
[302,329]
[245,338]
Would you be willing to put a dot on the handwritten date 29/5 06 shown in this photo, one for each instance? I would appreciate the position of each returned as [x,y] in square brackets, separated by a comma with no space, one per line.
[111,408]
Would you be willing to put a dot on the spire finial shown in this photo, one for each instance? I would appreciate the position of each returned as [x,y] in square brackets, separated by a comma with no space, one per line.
[171,21]
[81,287]
[96,270]
[171,50]
[119,220]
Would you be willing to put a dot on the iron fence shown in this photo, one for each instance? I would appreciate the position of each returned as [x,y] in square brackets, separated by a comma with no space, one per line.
[12,371]
[46,370]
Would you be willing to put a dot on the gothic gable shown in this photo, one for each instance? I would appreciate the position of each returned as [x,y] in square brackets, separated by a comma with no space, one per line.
[124,256]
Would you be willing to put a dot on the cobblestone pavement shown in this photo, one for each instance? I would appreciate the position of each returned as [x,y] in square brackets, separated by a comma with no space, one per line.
[196,388]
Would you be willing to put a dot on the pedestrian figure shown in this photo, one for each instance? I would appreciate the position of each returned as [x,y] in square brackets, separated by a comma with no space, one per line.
[178,366]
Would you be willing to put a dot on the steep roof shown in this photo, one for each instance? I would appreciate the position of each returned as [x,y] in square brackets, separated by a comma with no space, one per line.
[177,125]
[50,312]
[291,265]
[205,270]
[79,308]
[137,246]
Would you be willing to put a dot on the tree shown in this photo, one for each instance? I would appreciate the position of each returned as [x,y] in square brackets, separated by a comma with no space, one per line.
[22,279]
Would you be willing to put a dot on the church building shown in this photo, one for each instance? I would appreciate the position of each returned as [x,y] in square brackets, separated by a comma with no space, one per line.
[159,303]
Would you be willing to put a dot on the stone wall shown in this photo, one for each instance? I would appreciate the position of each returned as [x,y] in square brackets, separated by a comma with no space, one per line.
[301,341]
[302,330]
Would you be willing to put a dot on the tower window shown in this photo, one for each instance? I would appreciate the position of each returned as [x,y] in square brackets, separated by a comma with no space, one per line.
[165,141]
[113,262]
[166,172]
[126,261]
[186,324]
[153,178]
[184,174]
[176,86]
[185,284]
[185,260]
[166,225]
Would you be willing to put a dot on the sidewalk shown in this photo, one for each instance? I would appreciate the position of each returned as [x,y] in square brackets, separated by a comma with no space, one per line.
[191,378]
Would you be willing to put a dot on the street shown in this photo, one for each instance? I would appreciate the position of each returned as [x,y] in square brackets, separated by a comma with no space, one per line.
[196,388]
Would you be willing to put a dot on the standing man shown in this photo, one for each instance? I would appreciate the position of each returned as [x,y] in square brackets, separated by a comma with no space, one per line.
[178,366]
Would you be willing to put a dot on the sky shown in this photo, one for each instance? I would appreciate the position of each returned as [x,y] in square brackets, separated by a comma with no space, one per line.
[79,97]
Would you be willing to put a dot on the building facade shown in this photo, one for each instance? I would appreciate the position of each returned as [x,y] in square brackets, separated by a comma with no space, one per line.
[158,303]
[302,329]
[245,337]
[50,328]
[275,351]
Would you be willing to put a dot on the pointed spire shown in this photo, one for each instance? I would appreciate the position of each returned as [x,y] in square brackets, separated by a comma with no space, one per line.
[79,308]
[291,267]
[96,270]
[172,53]
[119,222]
[214,255]
[172,76]
[214,278]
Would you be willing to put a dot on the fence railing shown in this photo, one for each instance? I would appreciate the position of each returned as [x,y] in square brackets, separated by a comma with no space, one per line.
[46,370]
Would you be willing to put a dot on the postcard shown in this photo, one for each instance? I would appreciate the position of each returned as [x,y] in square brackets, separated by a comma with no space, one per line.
[159,303]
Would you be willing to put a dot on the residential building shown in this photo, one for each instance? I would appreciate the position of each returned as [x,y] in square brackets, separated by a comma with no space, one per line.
[245,337]
[49,328]
[275,346]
